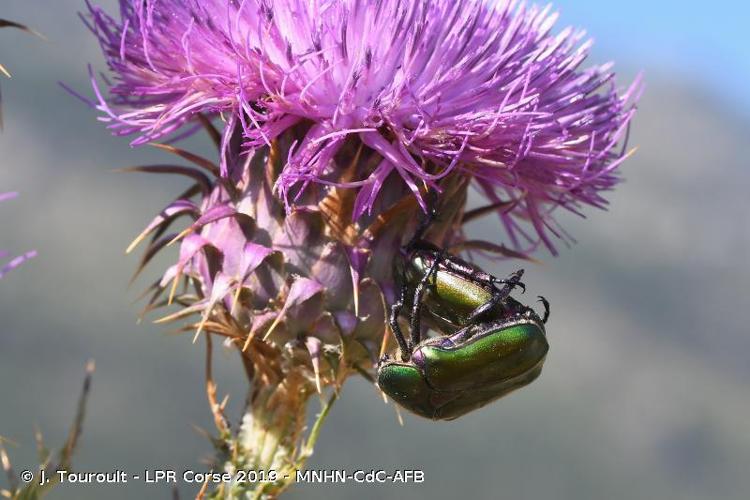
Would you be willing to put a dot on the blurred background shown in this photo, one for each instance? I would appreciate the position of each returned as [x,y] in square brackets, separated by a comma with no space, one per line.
[646,390]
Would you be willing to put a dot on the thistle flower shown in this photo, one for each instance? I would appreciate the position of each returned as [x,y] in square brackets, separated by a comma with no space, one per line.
[338,117]
[476,88]
[16,261]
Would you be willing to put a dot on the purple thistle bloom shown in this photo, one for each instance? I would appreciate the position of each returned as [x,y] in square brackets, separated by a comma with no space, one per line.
[470,87]
[339,119]
[16,261]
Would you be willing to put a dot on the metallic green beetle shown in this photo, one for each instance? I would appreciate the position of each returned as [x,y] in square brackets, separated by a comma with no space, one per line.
[458,293]
[449,376]
[497,344]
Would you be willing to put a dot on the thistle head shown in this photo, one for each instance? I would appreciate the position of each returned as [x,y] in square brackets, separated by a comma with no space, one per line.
[305,286]
[340,123]
[338,117]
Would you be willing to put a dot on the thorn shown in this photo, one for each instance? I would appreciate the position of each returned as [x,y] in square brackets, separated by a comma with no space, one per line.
[313,347]
[198,332]
[250,337]
[204,319]
[273,326]
[167,318]
[236,298]
[173,290]
[316,369]
[136,241]
[180,236]
[223,403]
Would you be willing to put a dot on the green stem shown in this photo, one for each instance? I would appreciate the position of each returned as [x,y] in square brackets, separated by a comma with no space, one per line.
[272,437]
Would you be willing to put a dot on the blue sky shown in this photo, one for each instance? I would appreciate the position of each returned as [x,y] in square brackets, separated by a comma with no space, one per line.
[707,42]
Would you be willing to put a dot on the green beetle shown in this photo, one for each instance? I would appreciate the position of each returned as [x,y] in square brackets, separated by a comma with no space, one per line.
[497,344]
[449,376]
[458,293]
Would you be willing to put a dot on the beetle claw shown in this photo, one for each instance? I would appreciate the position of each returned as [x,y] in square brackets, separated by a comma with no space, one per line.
[512,284]
[513,281]
[545,303]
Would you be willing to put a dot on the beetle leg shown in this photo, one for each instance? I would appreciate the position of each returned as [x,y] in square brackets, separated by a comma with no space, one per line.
[513,281]
[510,283]
[465,270]
[416,310]
[545,303]
[395,328]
